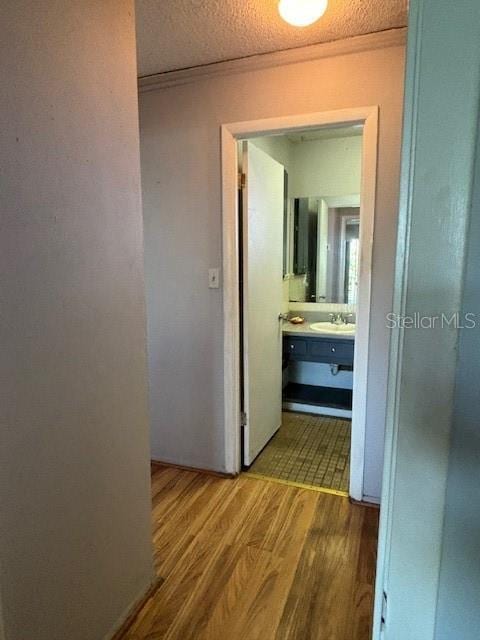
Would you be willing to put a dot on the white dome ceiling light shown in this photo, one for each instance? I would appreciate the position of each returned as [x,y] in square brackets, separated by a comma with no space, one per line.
[301,13]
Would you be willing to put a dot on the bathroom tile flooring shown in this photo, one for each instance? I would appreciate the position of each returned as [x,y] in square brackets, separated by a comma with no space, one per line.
[308,450]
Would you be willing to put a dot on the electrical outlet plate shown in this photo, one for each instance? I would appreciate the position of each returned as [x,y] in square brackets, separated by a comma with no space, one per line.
[214,278]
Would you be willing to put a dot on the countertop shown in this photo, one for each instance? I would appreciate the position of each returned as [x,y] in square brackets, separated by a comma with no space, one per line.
[290,329]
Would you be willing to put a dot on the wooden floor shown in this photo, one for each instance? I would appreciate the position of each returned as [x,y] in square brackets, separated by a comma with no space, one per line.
[248,559]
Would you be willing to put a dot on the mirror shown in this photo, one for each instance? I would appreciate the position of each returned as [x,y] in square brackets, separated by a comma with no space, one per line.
[322,251]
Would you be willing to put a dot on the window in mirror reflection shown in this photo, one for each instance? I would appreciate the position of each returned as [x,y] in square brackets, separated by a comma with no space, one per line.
[322,245]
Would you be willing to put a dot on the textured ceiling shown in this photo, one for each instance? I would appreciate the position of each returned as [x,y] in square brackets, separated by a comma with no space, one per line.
[174,34]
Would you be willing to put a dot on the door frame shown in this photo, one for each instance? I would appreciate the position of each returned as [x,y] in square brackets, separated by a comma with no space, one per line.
[230,134]
[343,253]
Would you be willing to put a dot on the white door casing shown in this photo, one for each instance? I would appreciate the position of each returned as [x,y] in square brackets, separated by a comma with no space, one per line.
[230,134]
[262,226]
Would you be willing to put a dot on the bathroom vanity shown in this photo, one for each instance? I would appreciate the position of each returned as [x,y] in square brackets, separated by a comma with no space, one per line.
[302,344]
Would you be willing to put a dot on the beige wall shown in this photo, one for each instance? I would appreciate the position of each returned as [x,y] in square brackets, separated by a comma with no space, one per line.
[75,549]
[326,167]
[280,148]
[180,149]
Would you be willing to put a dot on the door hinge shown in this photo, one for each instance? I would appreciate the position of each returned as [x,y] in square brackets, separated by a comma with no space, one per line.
[243,419]
[384,609]
[242,180]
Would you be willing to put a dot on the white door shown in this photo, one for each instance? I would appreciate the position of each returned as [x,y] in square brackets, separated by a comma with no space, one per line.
[263,200]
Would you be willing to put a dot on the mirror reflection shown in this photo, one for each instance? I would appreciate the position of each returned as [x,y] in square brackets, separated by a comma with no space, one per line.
[322,251]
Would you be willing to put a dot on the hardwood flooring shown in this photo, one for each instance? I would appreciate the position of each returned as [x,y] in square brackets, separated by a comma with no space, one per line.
[247,559]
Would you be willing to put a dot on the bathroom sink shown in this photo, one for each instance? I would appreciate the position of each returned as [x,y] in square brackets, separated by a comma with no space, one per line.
[330,327]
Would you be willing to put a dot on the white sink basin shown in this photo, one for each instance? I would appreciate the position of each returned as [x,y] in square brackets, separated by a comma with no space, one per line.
[329,327]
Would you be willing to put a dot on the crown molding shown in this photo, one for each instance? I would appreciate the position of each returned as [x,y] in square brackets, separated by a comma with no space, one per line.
[378,40]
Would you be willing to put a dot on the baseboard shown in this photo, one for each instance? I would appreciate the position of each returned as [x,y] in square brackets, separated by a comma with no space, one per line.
[135,609]
[316,410]
[219,474]
[364,503]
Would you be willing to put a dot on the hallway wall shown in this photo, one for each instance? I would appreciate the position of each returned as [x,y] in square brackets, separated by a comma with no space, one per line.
[75,542]
[180,152]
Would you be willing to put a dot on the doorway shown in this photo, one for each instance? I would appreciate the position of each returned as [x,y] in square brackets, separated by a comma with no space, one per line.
[259,429]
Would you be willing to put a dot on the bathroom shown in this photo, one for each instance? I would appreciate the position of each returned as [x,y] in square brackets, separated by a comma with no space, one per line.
[302,225]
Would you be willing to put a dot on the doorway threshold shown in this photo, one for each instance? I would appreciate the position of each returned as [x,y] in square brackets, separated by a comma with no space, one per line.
[317,410]
[298,485]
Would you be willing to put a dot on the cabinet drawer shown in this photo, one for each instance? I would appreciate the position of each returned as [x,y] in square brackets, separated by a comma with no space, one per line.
[295,347]
[319,350]
[339,352]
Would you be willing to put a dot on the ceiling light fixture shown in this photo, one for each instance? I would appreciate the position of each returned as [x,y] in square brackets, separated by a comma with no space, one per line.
[301,13]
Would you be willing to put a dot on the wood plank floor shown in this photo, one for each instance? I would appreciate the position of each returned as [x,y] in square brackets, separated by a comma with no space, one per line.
[247,559]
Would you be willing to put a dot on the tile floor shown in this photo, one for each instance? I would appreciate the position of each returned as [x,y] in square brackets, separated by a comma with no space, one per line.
[310,450]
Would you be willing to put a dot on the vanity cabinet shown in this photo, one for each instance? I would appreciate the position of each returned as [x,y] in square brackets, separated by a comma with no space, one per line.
[323,349]
[313,349]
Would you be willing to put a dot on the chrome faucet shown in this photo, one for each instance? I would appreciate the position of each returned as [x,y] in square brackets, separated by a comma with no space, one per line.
[340,318]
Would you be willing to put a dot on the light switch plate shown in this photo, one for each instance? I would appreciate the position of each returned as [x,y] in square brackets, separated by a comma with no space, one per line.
[214,278]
